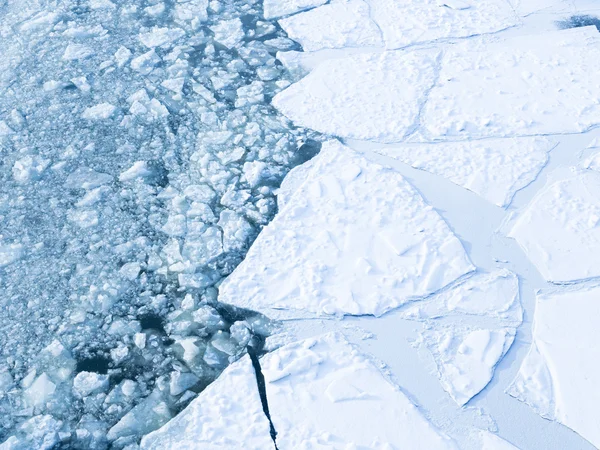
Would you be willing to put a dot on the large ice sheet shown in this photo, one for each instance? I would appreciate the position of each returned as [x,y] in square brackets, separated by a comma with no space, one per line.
[325,394]
[560,229]
[466,357]
[559,377]
[531,85]
[355,238]
[495,169]
[227,415]
[278,8]
[380,97]
[411,21]
[339,24]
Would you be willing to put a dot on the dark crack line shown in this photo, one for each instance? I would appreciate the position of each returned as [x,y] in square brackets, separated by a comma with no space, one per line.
[262,391]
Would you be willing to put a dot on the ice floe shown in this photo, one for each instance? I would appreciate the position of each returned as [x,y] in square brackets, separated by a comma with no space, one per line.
[531,85]
[560,229]
[278,8]
[559,376]
[321,392]
[379,99]
[495,169]
[355,238]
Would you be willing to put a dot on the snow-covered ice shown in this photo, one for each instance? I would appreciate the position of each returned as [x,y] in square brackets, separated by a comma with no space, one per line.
[529,85]
[278,8]
[560,375]
[495,169]
[379,99]
[355,238]
[560,231]
[321,393]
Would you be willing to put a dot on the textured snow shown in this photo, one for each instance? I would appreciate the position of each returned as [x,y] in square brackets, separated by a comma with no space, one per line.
[559,376]
[355,238]
[490,441]
[495,169]
[379,99]
[278,8]
[560,231]
[494,295]
[322,393]
[543,84]
[226,415]
[466,357]
[339,24]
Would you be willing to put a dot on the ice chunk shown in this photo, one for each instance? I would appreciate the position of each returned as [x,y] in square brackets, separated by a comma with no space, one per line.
[40,391]
[379,99]
[77,51]
[29,168]
[86,178]
[101,111]
[9,253]
[278,8]
[39,432]
[355,238]
[86,383]
[161,37]
[495,169]
[532,85]
[149,415]
[339,24]
[407,22]
[227,415]
[560,375]
[560,229]
[181,382]
[494,295]
[466,358]
[228,32]
[139,169]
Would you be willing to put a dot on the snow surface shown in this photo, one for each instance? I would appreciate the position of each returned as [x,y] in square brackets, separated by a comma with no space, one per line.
[355,238]
[322,393]
[559,376]
[278,8]
[560,230]
[529,85]
[495,169]
[380,97]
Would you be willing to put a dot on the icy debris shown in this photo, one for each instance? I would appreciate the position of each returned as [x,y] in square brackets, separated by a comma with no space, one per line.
[495,169]
[321,392]
[542,84]
[226,415]
[77,51]
[101,111]
[40,432]
[494,295]
[466,357]
[339,24]
[350,220]
[29,168]
[86,383]
[559,376]
[379,100]
[560,229]
[278,8]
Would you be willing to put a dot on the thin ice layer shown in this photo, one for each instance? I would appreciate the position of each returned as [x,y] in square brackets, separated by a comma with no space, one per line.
[466,357]
[560,230]
[355,238]
[339,24]
[379,99]
[530,85]
[559,377]
[325,394]
[495,169]
[494,295]
[227,415]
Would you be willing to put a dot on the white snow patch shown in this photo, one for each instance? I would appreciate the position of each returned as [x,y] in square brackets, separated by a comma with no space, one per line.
[560,230]
[494,169]
[379,99]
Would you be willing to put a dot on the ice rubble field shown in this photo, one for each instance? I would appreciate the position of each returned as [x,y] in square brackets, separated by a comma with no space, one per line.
[427,281]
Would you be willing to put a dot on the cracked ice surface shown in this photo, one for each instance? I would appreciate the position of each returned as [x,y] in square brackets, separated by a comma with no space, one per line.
[355,238]
[139,160]
[495,169]
[559,376]
[395,24]
[559,230]
[379,99]
[543,84]
[322,393]
[466,355]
